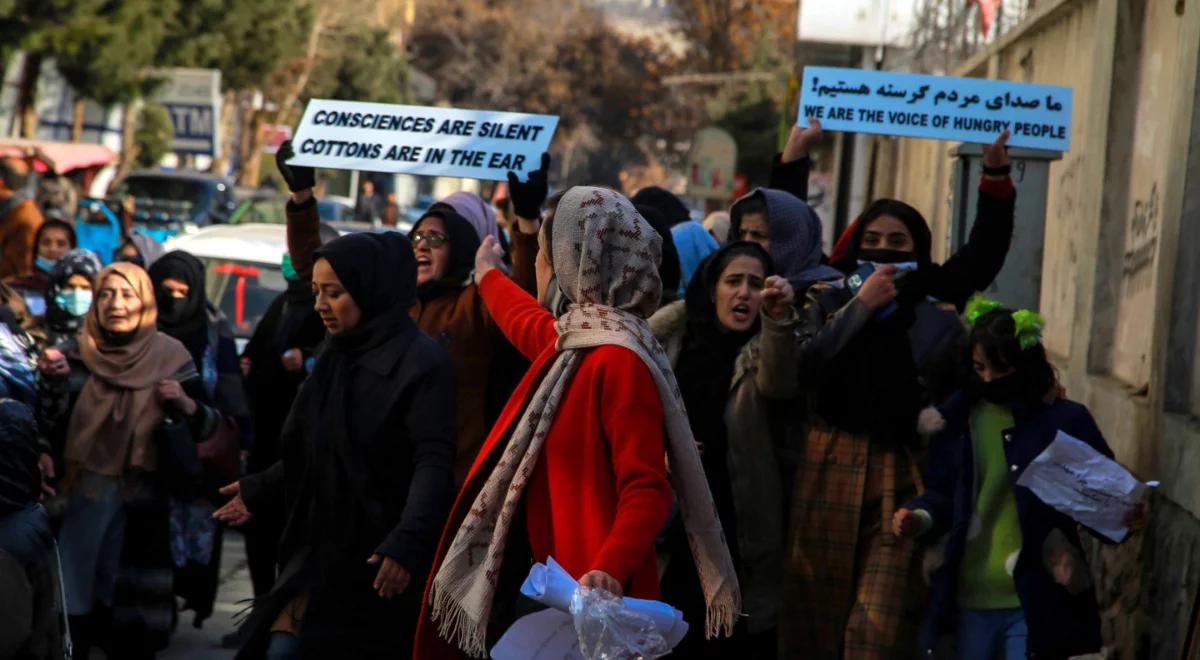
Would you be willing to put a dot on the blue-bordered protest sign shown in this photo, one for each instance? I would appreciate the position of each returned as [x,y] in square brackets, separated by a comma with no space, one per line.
[937,107]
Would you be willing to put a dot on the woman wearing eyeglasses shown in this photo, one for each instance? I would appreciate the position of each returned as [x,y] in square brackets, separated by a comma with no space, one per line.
[449,308]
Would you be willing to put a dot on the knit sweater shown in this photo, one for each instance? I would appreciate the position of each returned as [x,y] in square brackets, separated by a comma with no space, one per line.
[994,537]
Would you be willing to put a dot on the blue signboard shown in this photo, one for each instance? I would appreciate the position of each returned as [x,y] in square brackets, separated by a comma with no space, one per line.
[937,107]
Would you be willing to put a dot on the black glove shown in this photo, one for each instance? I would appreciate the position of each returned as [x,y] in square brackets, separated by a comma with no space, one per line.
[297,177]
[527,198]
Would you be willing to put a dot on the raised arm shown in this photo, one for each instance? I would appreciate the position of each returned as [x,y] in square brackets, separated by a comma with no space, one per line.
[776,375]
[789,170]
[977,263]
[303,220]
[527,199]
[526,324]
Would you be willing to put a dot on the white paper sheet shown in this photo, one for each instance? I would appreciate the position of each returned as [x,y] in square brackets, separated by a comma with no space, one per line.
[546,635]
[1082,483]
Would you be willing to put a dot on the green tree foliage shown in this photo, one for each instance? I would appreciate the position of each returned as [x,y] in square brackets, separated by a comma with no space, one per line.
[246,39]
[105,50]
[549,56]
[153,137]
[360,63]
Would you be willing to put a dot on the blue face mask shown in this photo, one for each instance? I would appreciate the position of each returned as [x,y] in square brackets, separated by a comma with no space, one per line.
[75,302]
[45,265]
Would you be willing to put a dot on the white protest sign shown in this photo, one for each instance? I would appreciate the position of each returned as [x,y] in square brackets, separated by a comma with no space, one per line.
[1075,479]
[937,107]
[378,137]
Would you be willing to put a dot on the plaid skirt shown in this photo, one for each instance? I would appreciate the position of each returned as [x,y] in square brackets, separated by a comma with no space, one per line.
[853,590]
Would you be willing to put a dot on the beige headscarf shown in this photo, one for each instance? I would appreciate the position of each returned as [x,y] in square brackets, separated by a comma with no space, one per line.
[606,260]
[717,224]
[113,424]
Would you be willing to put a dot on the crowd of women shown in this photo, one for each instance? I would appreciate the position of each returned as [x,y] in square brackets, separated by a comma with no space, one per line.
[810,455]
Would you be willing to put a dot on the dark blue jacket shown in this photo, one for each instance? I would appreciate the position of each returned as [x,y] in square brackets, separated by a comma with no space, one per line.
[1060,625]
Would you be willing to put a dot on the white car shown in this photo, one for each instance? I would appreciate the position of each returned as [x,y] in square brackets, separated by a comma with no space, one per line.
[242,266]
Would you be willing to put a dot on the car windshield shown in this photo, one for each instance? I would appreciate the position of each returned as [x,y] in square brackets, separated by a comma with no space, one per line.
[192,192]
[331,211]
[243,291]
[270,211]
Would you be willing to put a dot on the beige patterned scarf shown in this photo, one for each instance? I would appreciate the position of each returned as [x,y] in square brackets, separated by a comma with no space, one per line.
[606,260]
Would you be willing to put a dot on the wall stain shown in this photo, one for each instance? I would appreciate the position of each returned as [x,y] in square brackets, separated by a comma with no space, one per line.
[1141,244]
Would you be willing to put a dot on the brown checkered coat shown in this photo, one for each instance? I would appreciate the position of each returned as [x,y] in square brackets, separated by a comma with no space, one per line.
[853,590]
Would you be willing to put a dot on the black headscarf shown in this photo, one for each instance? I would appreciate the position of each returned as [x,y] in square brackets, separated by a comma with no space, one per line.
[185,319]
[873,385]
[706,365]
[669,270]
[379,272]
[672,210]
[464,242]
[76,262]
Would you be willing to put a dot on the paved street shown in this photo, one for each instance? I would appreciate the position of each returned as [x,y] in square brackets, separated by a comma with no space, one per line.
[189,643]
[192,644]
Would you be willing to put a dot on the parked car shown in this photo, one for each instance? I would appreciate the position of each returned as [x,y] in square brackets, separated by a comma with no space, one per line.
[267,207]
[242,270]
[335,209]
[169,203]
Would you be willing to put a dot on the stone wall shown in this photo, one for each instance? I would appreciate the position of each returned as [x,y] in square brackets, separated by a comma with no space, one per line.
[1120,272]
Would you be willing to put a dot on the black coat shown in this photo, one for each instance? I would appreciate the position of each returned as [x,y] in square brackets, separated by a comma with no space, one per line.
[289,322]
[1060,624]
[400,436]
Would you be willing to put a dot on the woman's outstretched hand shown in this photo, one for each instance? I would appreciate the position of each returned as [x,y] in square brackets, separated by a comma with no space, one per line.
[234,512]
[392,578]
[488,257]
[778,297]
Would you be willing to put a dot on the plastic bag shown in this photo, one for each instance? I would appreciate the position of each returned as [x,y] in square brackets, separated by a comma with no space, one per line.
[608,630]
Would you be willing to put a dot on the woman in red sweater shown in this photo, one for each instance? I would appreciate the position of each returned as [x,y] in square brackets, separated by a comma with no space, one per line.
[574,468]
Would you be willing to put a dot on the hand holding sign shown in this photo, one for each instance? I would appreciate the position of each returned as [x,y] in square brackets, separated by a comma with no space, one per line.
[995,158]
[298,177]
[801,140]
[528,197]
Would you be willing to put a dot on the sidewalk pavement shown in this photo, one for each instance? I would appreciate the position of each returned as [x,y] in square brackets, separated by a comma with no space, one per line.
[188,643]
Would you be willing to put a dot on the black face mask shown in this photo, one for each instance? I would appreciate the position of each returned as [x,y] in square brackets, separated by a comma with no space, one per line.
[886,256]
[171,307]
[1001,391]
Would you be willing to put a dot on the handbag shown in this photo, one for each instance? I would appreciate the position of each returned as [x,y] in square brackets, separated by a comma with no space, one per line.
[220,455]
[179,466]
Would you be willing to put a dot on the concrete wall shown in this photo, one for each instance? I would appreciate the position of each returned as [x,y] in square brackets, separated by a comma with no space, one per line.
[1120,270]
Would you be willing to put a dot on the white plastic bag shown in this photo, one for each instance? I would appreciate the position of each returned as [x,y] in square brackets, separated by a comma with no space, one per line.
[608,630]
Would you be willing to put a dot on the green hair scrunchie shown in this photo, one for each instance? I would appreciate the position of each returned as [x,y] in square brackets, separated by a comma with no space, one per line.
[978,307]
[1029,328]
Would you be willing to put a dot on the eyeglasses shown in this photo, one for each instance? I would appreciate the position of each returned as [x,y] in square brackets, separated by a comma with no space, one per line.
[435,239]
